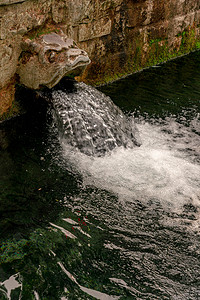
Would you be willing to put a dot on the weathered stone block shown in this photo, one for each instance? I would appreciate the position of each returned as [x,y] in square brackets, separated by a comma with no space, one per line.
[94,29]
[9,53]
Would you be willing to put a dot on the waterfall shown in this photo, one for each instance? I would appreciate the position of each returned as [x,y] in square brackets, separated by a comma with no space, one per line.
[89,121]
[90,126]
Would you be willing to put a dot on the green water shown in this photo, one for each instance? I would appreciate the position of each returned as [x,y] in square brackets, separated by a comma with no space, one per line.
[131,243]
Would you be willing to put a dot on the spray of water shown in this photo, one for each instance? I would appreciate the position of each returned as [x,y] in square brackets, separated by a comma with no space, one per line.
[148,197]
[165,168]
[156,170]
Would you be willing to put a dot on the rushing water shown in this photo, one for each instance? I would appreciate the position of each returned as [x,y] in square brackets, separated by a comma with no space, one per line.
[90,122]
[125,225]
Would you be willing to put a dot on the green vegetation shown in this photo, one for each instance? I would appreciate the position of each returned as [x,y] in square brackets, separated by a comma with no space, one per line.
[140,56]
[37,258]
[198,45]
[154,41]
[40,240]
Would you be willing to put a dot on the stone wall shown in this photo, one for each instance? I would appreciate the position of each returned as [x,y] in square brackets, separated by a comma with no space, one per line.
[120,37]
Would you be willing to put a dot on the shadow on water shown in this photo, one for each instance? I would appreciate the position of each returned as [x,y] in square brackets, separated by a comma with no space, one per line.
[28,180]
[77,227]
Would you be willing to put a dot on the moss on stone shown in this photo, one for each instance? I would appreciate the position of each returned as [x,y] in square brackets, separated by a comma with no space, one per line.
[140,56]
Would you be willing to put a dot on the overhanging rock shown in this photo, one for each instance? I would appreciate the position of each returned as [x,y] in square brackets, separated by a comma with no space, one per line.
[48,58]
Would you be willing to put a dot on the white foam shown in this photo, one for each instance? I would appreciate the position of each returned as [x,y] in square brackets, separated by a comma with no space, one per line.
[156,170]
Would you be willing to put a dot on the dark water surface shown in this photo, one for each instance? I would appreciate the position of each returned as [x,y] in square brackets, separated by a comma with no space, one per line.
[123,226]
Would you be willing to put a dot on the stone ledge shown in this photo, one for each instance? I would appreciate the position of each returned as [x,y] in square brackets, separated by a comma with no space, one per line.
[9,2]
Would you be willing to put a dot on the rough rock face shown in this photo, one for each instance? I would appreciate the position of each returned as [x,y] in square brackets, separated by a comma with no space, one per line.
[119,36]
[45,60]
